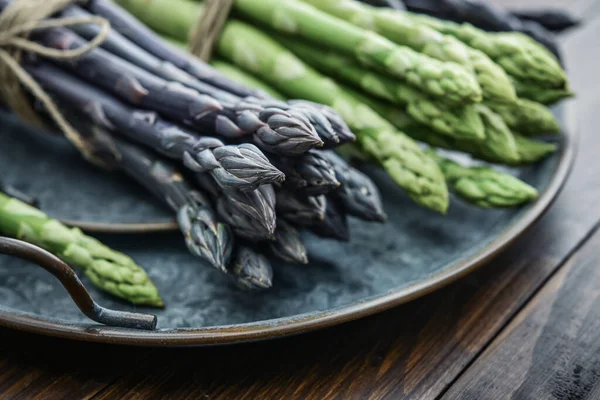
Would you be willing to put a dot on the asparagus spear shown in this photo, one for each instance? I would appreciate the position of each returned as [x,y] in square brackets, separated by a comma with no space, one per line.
[300,210]
[311,174]
[271,129]
[402,158]
[251,214]
[445,80]
[288,245]
[538,93]
[399,28]
[527,117]
[204,235]
[236,74]
[134,30]
[455,121]
[111,271]
[484,15]
[533,150]
[251,270]
[520,56]
[335,223]
[484,186]
[357,196]
[242,167]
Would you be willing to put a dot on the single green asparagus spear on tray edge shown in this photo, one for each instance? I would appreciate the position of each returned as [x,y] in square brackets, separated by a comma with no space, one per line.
[111,271]
[402,158]
[484,186]
[401,29]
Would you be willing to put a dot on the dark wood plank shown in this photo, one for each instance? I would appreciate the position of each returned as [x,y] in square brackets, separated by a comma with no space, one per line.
[551,350]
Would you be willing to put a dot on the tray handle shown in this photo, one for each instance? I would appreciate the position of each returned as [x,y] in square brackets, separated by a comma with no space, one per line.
[69,279]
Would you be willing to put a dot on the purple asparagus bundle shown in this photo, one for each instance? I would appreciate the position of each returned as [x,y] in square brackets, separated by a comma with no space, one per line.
[271,129]
[241,167]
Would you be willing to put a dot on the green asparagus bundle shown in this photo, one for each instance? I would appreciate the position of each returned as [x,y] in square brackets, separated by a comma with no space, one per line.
[449,81]
[111,271]
[484,186]
[401,29]
[402,158]
[458,121]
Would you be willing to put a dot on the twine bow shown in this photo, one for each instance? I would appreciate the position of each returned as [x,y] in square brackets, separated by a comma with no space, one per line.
[17,21]
[205,34]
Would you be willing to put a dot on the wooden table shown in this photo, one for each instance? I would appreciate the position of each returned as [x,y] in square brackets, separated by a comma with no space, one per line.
[526,326]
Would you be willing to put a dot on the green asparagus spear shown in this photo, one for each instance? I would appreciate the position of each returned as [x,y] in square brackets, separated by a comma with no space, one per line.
[535,92]
[238,75]
[484,186]
[529,151]
[458,121]
[527,117]
[519,55]
[402,158]
[448,81]
[401,29]
[111,271]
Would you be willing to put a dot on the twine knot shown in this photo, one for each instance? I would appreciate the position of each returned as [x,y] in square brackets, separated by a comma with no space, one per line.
[18,20]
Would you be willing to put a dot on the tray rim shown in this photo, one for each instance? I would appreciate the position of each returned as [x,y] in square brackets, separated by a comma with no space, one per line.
[286,326]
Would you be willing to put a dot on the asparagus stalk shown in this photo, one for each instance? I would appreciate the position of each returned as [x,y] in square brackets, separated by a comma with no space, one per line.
[399,28]
[520,56]
[204,235]
[531,151]
[463,122]
[236,74]
[402,158]
[239,167]
[449,81]
[486,187]
[111,271]
[335,223]
[300,210]
[271,129]
[145,38]
[357,196]
[538,93]
[311,174]
[251,214]
[288,245]
[251,270]
[485,15]
[527,117]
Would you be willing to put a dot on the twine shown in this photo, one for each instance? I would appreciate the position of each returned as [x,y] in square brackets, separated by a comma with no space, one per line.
[17,21]
[204,36]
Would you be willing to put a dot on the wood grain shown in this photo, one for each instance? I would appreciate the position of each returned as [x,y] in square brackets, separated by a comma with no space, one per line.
[551,350]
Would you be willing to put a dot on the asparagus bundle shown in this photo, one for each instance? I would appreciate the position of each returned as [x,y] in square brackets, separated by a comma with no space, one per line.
[242,167]
[110,270]
[402,158]
[402,30]
[447,80]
